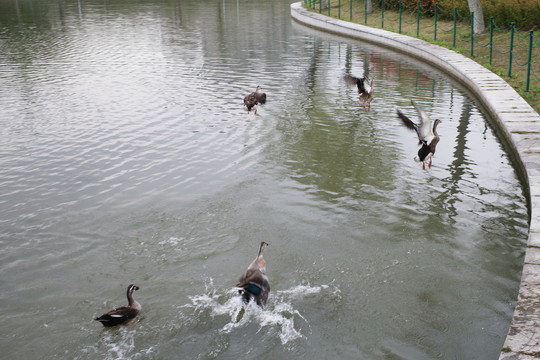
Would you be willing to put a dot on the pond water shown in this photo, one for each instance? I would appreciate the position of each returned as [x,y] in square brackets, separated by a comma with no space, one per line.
[126,157]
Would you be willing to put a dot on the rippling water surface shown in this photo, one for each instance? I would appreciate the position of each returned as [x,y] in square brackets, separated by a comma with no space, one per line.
[126,158]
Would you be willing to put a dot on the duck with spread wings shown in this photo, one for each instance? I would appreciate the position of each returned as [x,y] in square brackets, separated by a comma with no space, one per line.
[365,89]
[428,137]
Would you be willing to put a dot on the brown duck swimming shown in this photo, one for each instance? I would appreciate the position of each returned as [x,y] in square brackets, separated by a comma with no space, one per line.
[427,135]
[254,283]
[252,100]
[124,314]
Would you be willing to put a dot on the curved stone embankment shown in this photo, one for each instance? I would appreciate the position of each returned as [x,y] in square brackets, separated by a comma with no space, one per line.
[520,127]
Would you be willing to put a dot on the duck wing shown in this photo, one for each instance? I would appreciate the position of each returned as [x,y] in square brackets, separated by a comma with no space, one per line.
[409,124]
[351,80]
[368,86]
[254,284]
[117,316]
[250,101]
[368,94]
[254,277]
[250,98]
[361,83]
[261,97]
[425,132]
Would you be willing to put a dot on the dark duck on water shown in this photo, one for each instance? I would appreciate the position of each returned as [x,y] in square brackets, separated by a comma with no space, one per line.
[427,135]
[124,314]
[255,98]
[254,283]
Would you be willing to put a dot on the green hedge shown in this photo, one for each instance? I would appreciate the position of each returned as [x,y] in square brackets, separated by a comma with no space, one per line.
[524,13]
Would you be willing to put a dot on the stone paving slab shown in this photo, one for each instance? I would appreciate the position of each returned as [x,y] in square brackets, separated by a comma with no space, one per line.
[518,122]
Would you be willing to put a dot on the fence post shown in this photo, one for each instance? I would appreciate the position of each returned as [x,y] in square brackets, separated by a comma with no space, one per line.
[472,33]
[339,9]
[455,20]
[435,25]
[320,6]
[400,16]
[490,39]
[418,19]
[365,12]
[382,13]
[328,7]
[512,29]
[529,60]
[350,10]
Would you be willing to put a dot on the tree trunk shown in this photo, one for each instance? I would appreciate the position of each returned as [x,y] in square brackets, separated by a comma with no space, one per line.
[476,7]
[324,5]
[369,6]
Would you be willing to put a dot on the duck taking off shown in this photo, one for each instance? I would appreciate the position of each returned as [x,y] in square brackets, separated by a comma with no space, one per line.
[427,135]
[366,97]
[365,89]
[254,283]
[124,314]
[255,98]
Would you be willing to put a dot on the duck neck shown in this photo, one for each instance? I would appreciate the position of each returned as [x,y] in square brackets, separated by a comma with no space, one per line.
[435,124]
[134,304]
[261,248]
[129,295]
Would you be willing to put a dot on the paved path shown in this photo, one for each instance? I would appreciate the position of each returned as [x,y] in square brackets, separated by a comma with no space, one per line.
[520,126]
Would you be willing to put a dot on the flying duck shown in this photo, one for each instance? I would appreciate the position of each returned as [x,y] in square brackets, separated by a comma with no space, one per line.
[254,283]
[124,314]
[365,89]
[427,135]
[366,97]
[252,100]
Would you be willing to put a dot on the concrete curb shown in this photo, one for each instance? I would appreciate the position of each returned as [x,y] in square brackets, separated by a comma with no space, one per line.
[520,127]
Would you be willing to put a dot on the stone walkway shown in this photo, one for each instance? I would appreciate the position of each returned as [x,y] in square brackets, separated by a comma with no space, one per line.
[519,124]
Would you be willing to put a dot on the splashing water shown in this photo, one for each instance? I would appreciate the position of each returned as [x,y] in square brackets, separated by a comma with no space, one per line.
[280,314]
[116,344]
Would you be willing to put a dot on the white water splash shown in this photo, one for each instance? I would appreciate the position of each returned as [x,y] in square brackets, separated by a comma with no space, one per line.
[172,241]
[119,345]
[116,344]
[279,314]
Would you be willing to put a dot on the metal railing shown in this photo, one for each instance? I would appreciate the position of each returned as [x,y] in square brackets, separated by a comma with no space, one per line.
[462,29]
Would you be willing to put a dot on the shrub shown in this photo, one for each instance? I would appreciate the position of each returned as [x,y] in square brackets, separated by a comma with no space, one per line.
[427,6]
[524,13]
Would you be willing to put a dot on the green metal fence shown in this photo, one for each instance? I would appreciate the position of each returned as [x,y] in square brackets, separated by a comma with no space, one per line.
[426,18]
